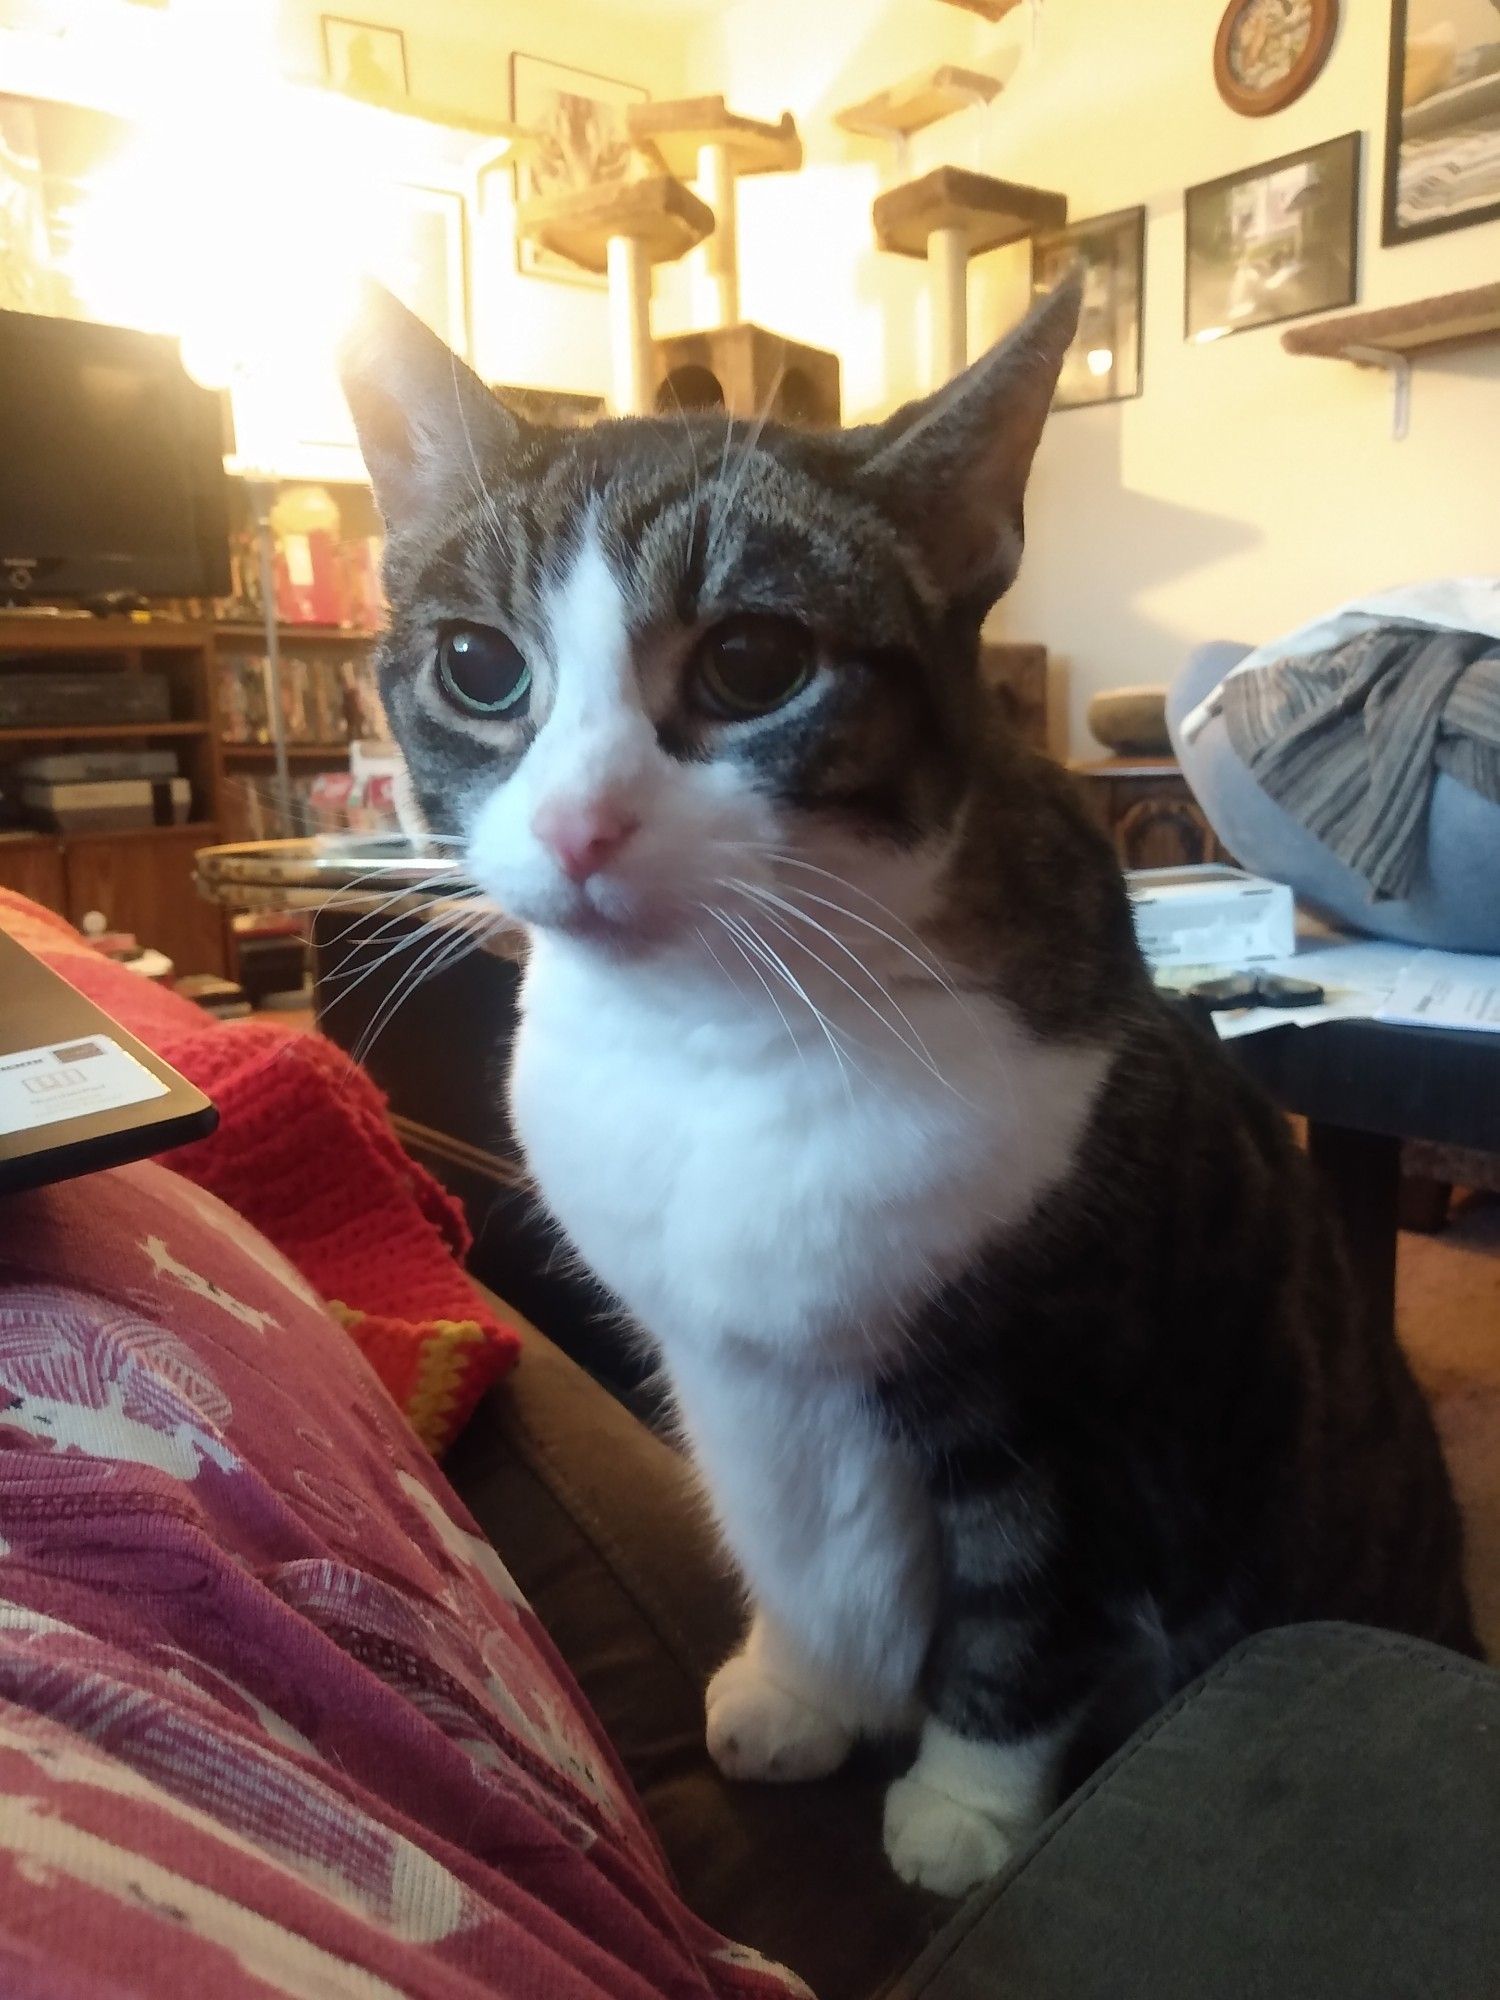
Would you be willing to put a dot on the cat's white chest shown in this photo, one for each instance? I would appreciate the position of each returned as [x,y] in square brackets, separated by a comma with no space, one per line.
[729,1186]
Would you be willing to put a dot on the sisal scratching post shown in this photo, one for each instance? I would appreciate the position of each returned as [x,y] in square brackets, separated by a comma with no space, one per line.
[622,230]
[700,135]
[947,217]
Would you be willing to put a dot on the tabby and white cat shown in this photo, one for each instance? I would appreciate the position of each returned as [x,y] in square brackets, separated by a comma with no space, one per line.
[1002,1319]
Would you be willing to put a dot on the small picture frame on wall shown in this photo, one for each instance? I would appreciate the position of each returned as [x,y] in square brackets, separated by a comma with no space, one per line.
[365,60]
[579,140]
[1442,129]
[1103,364]
[1274,241]
[1268,52]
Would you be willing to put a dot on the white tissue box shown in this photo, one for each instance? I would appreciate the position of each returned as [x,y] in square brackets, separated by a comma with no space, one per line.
[1211,914]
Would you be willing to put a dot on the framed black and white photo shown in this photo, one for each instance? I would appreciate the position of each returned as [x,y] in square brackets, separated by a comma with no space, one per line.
[1273,242]
[580,141]
[1442,133]
[1103,365]
[367,60]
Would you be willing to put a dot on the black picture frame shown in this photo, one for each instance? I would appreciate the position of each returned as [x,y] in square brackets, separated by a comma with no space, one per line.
[1437,114]
[1279,284]
[1120,240]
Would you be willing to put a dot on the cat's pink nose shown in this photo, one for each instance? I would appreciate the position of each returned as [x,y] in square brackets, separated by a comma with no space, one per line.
[584,834]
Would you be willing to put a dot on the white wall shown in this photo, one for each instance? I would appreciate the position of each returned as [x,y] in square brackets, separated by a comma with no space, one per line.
[1246,489]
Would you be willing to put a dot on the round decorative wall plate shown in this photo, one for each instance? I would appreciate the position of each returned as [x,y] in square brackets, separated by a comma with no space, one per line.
[1269,51]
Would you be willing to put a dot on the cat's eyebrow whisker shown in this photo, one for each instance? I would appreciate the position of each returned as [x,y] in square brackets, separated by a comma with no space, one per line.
[749,937]
[747,453]
[488,511]
[916,1047]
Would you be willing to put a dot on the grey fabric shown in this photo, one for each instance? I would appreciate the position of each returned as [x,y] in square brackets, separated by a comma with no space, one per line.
[1454,899]
[1348,740]
[1318,1818]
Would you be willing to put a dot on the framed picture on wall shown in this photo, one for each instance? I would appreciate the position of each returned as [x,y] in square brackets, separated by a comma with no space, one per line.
[1442,130]
[1273,242]
[581,121]
[1103,365]
[424,259]
[365,60]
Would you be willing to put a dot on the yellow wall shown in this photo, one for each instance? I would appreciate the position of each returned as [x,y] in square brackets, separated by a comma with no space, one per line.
[544,334]
[1245,490]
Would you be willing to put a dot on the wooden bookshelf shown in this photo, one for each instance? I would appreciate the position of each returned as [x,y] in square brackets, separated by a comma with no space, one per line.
[289,637]
[265,753]
[140,877]
[102,732]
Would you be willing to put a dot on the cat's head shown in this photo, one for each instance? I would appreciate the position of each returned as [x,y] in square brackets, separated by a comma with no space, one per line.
[635,664]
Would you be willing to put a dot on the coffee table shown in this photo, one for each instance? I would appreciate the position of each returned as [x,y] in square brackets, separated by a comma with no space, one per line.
[1364,1087]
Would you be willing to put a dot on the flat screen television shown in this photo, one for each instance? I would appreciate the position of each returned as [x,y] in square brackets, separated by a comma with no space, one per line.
[111,466]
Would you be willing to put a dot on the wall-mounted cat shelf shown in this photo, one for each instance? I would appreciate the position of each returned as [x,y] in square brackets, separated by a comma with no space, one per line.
[1390,337]
[917,101]
[622,228]
[699,137]
[949,216]
[989,10]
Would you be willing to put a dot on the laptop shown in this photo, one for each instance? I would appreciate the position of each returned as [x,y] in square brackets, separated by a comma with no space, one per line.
[77,1091]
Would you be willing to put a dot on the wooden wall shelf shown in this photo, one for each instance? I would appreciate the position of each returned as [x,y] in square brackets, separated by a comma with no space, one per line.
[1393,336]
[100,732]
[917,101]
[1420,327]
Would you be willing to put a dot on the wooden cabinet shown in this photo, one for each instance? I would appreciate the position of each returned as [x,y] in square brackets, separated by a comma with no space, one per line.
[32,865]
[1146,808]
[143,882]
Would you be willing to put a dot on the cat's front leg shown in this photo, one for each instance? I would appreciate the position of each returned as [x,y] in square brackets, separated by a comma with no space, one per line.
[772,1715]
[963,1808]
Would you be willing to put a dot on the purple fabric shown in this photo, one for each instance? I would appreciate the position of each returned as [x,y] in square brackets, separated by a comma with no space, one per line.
[273,1719]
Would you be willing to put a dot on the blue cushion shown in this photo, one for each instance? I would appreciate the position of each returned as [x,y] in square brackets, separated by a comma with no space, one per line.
[1454,902]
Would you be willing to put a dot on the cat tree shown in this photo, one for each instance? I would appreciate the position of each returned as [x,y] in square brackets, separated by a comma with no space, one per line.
[947,217]
[623,229]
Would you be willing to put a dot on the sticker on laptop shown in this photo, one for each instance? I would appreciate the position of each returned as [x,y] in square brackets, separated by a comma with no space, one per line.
[76,1079]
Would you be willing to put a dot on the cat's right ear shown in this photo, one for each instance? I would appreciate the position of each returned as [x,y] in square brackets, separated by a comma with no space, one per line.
[426,423]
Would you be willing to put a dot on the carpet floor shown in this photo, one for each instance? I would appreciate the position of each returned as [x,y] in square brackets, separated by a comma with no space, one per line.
[1448,1310]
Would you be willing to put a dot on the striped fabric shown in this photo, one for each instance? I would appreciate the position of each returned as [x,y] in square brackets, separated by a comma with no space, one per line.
[1349,739]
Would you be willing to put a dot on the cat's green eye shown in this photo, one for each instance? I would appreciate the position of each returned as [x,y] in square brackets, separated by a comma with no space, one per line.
[482,672]
[750,665]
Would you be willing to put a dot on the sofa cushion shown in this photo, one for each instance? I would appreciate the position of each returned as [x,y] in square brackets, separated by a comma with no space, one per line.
[1318,1816]
[272,1716]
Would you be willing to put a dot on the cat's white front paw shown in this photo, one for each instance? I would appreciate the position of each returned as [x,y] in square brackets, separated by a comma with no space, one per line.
[936,1842]
[759,1729]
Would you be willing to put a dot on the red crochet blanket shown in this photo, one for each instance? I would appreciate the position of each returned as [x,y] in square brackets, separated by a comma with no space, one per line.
[305,1151]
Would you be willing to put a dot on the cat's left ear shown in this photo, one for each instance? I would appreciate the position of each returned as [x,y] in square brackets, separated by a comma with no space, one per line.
[425,421]
[953,466]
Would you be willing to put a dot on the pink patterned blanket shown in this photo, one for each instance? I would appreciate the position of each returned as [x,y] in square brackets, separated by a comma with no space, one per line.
[273,1718]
